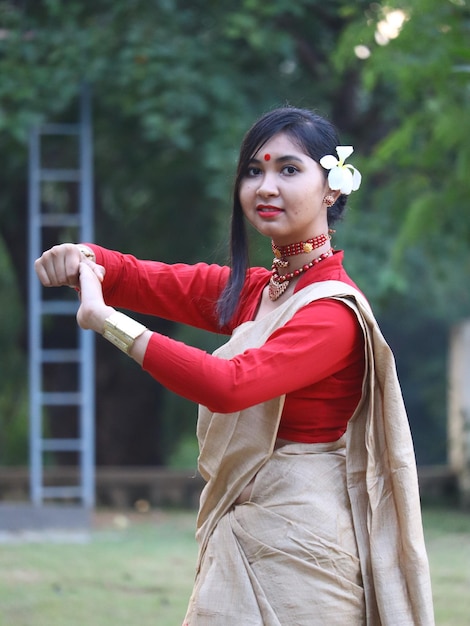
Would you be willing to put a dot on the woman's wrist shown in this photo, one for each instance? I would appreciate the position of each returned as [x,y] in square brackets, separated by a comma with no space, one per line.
[122,331]
[92,316]
[87,252]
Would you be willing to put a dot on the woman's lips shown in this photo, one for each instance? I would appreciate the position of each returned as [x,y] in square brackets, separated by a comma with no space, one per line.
[268,211]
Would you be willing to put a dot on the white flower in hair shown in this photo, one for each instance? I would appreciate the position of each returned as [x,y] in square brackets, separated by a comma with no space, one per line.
[342,176]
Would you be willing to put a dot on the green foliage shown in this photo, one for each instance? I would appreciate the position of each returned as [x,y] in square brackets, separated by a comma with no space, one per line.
[186,453]
[175,86]
[414,193]
[13,382]
[423,160]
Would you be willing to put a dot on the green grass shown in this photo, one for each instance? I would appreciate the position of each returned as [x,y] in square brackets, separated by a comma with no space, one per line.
[134,570]
[138,569]
[448,542]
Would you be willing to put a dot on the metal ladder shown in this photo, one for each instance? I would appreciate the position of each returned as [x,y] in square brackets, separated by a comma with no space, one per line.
[76,221]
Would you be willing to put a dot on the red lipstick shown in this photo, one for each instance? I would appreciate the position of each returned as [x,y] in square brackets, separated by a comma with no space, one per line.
[268,211]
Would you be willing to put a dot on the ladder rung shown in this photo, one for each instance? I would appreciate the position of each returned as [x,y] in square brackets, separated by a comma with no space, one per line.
[60,356]
[62,492]
[62,445]
[59,219]
[59,129]
[58,398]
[64,175]
[59,307]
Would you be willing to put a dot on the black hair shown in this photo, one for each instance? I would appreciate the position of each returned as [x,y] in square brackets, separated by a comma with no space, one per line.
[317,137]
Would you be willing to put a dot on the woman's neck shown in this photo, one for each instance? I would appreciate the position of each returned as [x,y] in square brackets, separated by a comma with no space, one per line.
[293,256]
[292,260]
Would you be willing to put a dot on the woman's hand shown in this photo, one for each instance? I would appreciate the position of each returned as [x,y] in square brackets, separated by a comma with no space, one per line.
[59,266]
[70,264]
[93,310]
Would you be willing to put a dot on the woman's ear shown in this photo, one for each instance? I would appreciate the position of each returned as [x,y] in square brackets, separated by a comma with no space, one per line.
[331,197]
[336,193]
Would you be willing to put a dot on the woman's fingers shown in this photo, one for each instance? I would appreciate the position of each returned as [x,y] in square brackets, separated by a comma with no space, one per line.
[89,282]
[93,309]
[99,270]
[58,266]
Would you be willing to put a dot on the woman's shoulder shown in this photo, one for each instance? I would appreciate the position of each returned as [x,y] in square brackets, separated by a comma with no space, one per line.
[331,268]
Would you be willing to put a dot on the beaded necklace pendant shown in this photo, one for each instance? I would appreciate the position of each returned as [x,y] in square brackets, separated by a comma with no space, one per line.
[278,284]
[276,287]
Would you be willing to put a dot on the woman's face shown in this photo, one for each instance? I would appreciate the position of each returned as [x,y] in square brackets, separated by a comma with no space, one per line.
[282,192]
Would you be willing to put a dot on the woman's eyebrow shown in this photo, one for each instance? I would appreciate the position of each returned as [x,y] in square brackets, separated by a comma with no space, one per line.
[282,159]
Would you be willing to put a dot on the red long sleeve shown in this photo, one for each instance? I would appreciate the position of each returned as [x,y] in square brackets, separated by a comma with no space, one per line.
[181,293]
[315,344]
[316,359]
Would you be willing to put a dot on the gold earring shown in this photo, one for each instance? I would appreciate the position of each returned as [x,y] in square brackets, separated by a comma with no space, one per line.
[329,200]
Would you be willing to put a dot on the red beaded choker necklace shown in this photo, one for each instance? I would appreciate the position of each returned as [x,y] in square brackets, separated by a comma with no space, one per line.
[300,247]
[278,284]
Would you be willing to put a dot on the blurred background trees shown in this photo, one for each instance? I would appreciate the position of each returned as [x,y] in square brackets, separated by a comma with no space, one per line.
[175,85]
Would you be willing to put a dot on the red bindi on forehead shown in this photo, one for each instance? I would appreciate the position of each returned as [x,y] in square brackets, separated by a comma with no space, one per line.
[267,156]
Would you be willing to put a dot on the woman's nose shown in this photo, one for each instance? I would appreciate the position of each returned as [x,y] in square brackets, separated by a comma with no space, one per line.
[268,186]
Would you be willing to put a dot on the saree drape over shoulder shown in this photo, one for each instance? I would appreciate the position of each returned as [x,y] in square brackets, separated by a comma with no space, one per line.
[332,532]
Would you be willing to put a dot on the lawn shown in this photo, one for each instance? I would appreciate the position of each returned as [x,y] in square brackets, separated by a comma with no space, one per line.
[134,570]
[448,542]
[138,569]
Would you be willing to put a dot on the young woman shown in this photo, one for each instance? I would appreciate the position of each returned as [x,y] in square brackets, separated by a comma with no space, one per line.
[311,513]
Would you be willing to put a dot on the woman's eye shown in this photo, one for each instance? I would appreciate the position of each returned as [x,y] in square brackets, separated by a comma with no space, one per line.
[253,171]
[289,170]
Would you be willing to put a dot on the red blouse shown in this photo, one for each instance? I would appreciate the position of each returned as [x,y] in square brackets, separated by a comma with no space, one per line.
[316,359]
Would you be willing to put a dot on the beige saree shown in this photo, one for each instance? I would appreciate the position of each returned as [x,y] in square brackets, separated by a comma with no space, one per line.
[332,532]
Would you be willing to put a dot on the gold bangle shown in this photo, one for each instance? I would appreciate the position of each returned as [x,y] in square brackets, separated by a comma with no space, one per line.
[122,331]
